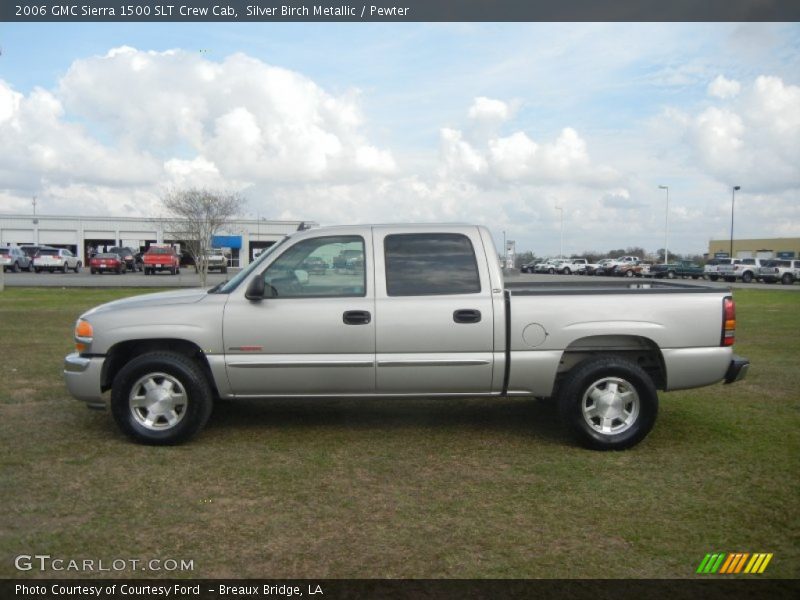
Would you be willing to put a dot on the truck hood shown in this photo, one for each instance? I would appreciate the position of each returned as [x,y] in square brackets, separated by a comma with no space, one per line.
[152,300]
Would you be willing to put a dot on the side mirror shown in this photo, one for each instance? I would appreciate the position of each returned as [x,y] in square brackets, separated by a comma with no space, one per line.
[255,289]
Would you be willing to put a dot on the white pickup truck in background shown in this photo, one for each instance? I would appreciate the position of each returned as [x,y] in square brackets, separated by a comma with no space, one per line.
[417,310]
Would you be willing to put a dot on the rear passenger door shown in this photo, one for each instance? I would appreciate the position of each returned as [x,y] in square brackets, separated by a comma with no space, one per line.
[434,327]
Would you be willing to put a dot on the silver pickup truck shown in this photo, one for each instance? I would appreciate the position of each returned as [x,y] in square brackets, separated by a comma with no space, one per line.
[414,310]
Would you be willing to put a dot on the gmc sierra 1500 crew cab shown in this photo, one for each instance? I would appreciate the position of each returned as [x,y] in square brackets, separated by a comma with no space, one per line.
[417,310]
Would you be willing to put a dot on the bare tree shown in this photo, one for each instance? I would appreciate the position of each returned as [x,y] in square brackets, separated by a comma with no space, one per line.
[201,214]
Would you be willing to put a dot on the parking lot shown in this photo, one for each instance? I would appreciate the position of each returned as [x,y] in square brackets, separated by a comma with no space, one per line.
[188,278]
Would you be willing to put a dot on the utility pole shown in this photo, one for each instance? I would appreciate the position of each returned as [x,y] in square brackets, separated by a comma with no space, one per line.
[733,200]
[561,243]
[666,225]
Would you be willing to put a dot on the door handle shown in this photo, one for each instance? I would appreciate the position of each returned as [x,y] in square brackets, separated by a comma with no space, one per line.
[467,315]
[356,317]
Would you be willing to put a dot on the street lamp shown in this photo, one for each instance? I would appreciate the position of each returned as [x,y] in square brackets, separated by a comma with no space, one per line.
[733,201]
[666,225]
[561,245]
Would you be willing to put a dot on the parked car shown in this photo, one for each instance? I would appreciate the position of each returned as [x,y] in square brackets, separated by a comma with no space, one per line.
[161,258]
[597,268]
[711,268]
[31,250]
[315,265]
[129,256]
[12,258]
[387,331]
[551,266]
[783,270]
[56,259]
[745,269]
[572,265]
[682,268]
[218,261]
[107,262]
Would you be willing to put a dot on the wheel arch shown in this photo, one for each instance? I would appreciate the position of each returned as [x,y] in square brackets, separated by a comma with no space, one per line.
[637,349]
[123,352]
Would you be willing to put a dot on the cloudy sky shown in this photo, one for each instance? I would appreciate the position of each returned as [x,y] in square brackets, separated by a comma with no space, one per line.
[494,124]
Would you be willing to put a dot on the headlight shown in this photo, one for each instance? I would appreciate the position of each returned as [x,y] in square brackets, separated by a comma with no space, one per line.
[84,333]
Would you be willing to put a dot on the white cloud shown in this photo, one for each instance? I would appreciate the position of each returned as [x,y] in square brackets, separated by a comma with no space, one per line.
[724,88]
[487,109]
[754,142]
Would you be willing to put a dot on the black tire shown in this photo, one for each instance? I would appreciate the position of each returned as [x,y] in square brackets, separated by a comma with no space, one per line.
[78,266]
[38,270]
[168,371]
[629,273]
[670,274]
[551,271]
[747,277]
[787,279]
[566,271]
[630,423]
[713,277]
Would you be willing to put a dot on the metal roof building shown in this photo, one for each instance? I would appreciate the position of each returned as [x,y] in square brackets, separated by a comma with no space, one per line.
[245,238]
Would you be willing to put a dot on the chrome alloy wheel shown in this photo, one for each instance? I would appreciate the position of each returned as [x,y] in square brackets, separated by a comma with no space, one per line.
[610,405]
[158,401]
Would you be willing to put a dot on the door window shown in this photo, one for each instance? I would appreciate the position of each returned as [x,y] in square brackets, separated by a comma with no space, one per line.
[330,266]
[425,264]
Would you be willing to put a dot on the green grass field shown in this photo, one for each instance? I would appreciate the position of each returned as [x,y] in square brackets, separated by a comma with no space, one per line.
[470,488]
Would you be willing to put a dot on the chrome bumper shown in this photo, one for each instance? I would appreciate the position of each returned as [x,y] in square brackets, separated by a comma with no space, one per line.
[737,370]
[82,376]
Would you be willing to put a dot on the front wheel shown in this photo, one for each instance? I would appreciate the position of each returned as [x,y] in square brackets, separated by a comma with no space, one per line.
[787,279]
[608,403]
[78,266]
[670,274]
[161,398]
[713,277]
[629,273]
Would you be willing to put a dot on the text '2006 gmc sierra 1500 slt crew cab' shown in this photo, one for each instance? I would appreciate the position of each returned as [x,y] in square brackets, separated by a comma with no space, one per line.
[414,310]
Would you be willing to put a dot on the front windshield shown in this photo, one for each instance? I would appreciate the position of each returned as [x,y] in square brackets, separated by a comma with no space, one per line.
[231,285]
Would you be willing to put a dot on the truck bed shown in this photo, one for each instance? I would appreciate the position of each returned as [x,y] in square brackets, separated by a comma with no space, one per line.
[604,286]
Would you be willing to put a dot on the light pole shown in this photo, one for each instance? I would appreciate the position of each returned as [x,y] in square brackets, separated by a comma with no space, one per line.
[733,201]
[560,209]
[666,225]
[505,251]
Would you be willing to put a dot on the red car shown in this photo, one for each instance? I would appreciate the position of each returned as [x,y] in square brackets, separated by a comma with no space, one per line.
[161,258]
[107,262]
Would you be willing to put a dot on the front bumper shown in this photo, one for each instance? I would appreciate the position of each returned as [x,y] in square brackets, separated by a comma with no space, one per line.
[82,375]
[737,370]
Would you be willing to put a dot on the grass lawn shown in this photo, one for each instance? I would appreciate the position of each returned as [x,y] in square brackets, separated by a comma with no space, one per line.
[412,488]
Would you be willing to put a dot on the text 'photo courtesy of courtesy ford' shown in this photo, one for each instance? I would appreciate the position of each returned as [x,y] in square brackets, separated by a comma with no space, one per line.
[402,311]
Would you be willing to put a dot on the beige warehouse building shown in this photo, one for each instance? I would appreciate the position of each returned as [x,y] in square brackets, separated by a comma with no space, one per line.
[780,247]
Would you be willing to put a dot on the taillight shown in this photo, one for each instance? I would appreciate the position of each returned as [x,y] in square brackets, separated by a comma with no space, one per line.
[728,321]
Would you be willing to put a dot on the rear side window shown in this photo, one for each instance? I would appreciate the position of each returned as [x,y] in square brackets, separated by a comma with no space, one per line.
[426,264]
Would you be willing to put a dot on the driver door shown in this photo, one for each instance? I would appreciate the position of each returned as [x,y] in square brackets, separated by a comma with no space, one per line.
[316,334]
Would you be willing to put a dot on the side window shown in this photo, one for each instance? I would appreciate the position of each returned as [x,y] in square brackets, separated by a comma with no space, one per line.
[320,267]
[425,264]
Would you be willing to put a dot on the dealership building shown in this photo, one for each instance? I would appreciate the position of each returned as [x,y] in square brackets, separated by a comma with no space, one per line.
[769,247]
[243,239]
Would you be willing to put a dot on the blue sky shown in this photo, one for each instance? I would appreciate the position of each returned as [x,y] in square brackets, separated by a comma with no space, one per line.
[590,116]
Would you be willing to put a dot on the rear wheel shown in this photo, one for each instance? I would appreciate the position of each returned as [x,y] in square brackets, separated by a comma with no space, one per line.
[78,266]
[670,274]
[629,273]
[787,279]
[15,268]
[161,398]
[713,277]
[608,403]
[567,271]
[747,277]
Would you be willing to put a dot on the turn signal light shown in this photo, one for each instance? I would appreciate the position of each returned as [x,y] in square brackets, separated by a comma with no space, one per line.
[83,335]
[728,321]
